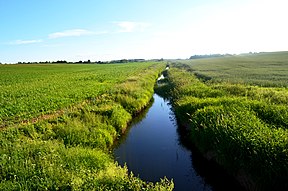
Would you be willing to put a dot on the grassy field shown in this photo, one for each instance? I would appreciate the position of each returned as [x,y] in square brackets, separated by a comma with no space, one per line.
[28,91]
[235,121]
[263,69]
[60,121]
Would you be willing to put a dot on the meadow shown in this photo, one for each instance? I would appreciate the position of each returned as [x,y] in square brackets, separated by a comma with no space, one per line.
[235,109]
[59,122]
[29,91]
[263,69]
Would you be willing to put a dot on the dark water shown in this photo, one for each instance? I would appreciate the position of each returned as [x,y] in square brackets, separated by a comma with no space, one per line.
[152,149]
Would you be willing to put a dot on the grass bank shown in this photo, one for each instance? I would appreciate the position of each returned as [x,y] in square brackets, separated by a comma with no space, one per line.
[70,150]
[241,127]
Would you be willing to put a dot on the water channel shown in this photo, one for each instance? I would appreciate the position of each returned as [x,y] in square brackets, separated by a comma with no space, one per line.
[152,149]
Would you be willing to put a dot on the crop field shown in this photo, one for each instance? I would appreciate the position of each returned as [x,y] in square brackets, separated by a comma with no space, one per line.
[59,122]
[28,91]
[241,122]
[263,69]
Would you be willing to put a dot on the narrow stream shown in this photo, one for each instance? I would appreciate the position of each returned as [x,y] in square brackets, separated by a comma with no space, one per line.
[152,149]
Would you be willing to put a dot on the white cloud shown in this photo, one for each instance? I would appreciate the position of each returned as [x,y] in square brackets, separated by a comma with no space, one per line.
[20,42]
[128,26]
[71,33]
[53,45]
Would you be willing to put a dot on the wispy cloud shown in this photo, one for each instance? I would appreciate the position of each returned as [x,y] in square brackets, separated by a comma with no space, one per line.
[20,42]
[128,26]
[72,33]
[52,45]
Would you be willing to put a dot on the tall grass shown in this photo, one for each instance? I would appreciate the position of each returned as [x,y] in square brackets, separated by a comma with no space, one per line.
[71,150]
[243,128]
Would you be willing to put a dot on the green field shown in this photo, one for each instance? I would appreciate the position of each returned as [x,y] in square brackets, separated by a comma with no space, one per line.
[59,123]
[31,90]
[263,69]
[237,114]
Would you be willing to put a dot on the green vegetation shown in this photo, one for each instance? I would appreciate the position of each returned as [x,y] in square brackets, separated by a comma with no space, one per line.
[61,121]
[263,69]
[242,127]
[31,90]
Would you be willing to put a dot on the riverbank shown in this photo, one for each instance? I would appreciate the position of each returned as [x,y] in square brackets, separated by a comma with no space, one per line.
[152,149]
[228,128]
[155,146]
[71,149]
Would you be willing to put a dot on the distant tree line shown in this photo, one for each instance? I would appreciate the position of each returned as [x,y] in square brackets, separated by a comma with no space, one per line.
[61,62]
[46,62]
[208,56]
[90,62]
[127,60]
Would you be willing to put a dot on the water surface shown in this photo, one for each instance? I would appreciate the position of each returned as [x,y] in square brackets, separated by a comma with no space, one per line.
[152,149]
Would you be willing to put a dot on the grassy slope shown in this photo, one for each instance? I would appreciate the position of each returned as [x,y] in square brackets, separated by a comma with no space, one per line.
[70,150]
[242,127]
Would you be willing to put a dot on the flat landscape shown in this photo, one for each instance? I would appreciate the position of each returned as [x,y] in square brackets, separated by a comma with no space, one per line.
[236,110]
[263,69]
[59,121]
[33,89]
[144,95]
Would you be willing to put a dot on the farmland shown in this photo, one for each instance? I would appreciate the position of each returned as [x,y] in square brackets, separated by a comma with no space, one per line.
[235,109]
[263,69]
[31,90]
[60,121]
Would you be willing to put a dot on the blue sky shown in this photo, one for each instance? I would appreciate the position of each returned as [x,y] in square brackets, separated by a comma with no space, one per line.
[40,30]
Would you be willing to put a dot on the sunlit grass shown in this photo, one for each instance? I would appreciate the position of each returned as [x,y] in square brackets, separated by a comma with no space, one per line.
[264,69]
[71,149]
[27,91]
[242,127]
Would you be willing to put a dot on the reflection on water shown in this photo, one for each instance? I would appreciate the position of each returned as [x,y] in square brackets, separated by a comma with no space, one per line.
[152,150]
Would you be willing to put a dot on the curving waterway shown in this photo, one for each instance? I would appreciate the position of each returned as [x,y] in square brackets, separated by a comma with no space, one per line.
[152,149]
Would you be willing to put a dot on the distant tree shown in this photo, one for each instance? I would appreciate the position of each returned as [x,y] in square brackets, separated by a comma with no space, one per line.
[61,62]
[87,62]
[206,56]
